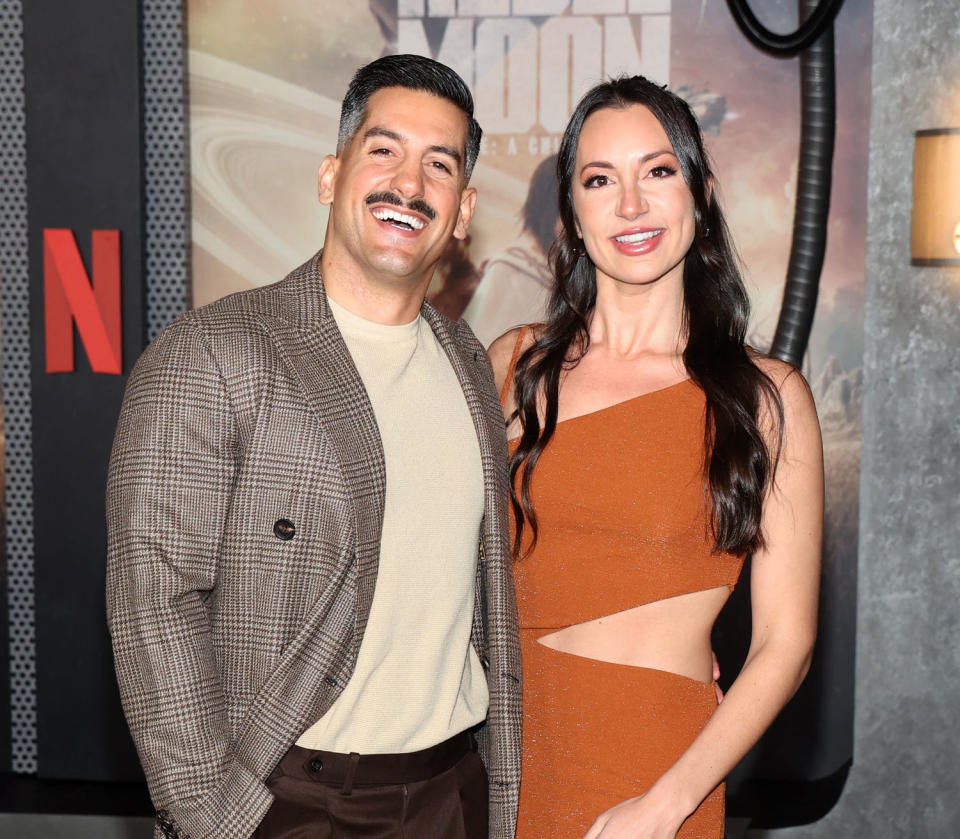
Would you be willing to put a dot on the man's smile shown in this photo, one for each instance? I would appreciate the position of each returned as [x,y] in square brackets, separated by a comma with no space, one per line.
[398,218]
[403,215]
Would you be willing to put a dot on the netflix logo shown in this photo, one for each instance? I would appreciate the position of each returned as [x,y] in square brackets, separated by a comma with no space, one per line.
[72,298]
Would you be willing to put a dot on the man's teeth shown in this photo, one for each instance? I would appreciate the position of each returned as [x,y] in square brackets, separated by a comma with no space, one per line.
[396,216]
[633,238]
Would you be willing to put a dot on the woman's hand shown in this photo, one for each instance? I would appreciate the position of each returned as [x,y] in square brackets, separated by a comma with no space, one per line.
[636,818]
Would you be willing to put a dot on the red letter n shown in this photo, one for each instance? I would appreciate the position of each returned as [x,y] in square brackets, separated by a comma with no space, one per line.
[70,297]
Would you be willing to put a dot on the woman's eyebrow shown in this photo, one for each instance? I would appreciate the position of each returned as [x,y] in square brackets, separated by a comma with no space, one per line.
[604,164]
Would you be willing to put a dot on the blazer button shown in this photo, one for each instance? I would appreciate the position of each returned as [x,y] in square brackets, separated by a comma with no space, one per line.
[284,529]
[316,765]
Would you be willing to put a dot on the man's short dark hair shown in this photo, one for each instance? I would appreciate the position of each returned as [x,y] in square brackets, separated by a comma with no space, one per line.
[414,72]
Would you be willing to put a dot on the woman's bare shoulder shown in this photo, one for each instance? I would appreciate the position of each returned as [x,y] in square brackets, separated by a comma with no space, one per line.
[799,409]
[785,376]
[775,369]
[502,349]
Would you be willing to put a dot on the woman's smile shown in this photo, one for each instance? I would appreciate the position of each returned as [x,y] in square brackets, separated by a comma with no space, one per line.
[638,241]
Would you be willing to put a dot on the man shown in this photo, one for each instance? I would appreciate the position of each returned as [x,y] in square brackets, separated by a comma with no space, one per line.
[308,581]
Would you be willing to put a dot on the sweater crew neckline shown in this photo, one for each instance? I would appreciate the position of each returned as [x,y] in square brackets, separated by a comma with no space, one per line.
[364,329]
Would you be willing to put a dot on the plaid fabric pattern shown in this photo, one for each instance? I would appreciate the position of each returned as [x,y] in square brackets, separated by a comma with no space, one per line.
[229,641]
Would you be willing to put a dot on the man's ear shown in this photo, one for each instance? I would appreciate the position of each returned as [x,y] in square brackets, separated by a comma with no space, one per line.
[468,202]
[327,179]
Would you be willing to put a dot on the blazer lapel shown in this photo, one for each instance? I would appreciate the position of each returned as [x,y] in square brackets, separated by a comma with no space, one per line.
[310,341]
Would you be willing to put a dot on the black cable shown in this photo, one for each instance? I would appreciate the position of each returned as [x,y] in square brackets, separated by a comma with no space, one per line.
[814,177]
[784,45]
[815,164]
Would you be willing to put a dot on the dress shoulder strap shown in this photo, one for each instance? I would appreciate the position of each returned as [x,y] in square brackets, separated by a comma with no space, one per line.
[513,362]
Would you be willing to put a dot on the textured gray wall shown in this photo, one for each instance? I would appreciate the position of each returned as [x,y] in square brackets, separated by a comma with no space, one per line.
[905,781]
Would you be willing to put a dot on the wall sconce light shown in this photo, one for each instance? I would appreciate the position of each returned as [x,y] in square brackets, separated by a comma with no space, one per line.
[935,226]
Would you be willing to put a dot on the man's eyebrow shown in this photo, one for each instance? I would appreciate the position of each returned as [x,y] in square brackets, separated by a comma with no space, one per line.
[603,164]
[380,131]
[449,152]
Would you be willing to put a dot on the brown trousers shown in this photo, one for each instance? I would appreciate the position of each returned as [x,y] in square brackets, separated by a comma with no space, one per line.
[437,793]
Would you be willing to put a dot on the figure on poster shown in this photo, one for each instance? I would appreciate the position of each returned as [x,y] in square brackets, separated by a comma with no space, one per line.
[457,277]
[651,451]
[308,580]
[515,285]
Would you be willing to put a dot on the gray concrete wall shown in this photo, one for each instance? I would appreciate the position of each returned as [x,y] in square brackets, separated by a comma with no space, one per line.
[905,781]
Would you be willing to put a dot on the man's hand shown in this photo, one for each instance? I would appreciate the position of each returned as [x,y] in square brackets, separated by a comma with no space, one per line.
[716,679]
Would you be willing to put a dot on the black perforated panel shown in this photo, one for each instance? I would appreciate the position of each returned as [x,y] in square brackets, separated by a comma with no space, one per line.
[16,391]
[165,159]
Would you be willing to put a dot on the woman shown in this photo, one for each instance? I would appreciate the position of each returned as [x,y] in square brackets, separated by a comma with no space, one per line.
[651,452]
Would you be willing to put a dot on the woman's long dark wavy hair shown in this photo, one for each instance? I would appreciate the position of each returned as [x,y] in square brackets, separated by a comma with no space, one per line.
[739,466]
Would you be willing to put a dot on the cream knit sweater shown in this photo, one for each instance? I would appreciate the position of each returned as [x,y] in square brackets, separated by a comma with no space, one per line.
[418,680]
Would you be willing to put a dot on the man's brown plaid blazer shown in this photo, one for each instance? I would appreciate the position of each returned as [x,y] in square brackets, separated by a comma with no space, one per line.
[229,639]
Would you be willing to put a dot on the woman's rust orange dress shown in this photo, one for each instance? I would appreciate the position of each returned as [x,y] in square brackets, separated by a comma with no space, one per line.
[622,522]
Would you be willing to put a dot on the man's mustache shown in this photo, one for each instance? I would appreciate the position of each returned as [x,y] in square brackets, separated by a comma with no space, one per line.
[418,205]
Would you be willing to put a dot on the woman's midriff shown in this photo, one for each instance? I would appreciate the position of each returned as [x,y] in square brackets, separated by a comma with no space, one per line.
[671,635]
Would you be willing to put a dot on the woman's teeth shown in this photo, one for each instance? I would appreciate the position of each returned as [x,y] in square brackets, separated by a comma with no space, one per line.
[633,238]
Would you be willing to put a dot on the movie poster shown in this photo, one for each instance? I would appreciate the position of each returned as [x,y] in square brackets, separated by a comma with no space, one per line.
[265,88]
